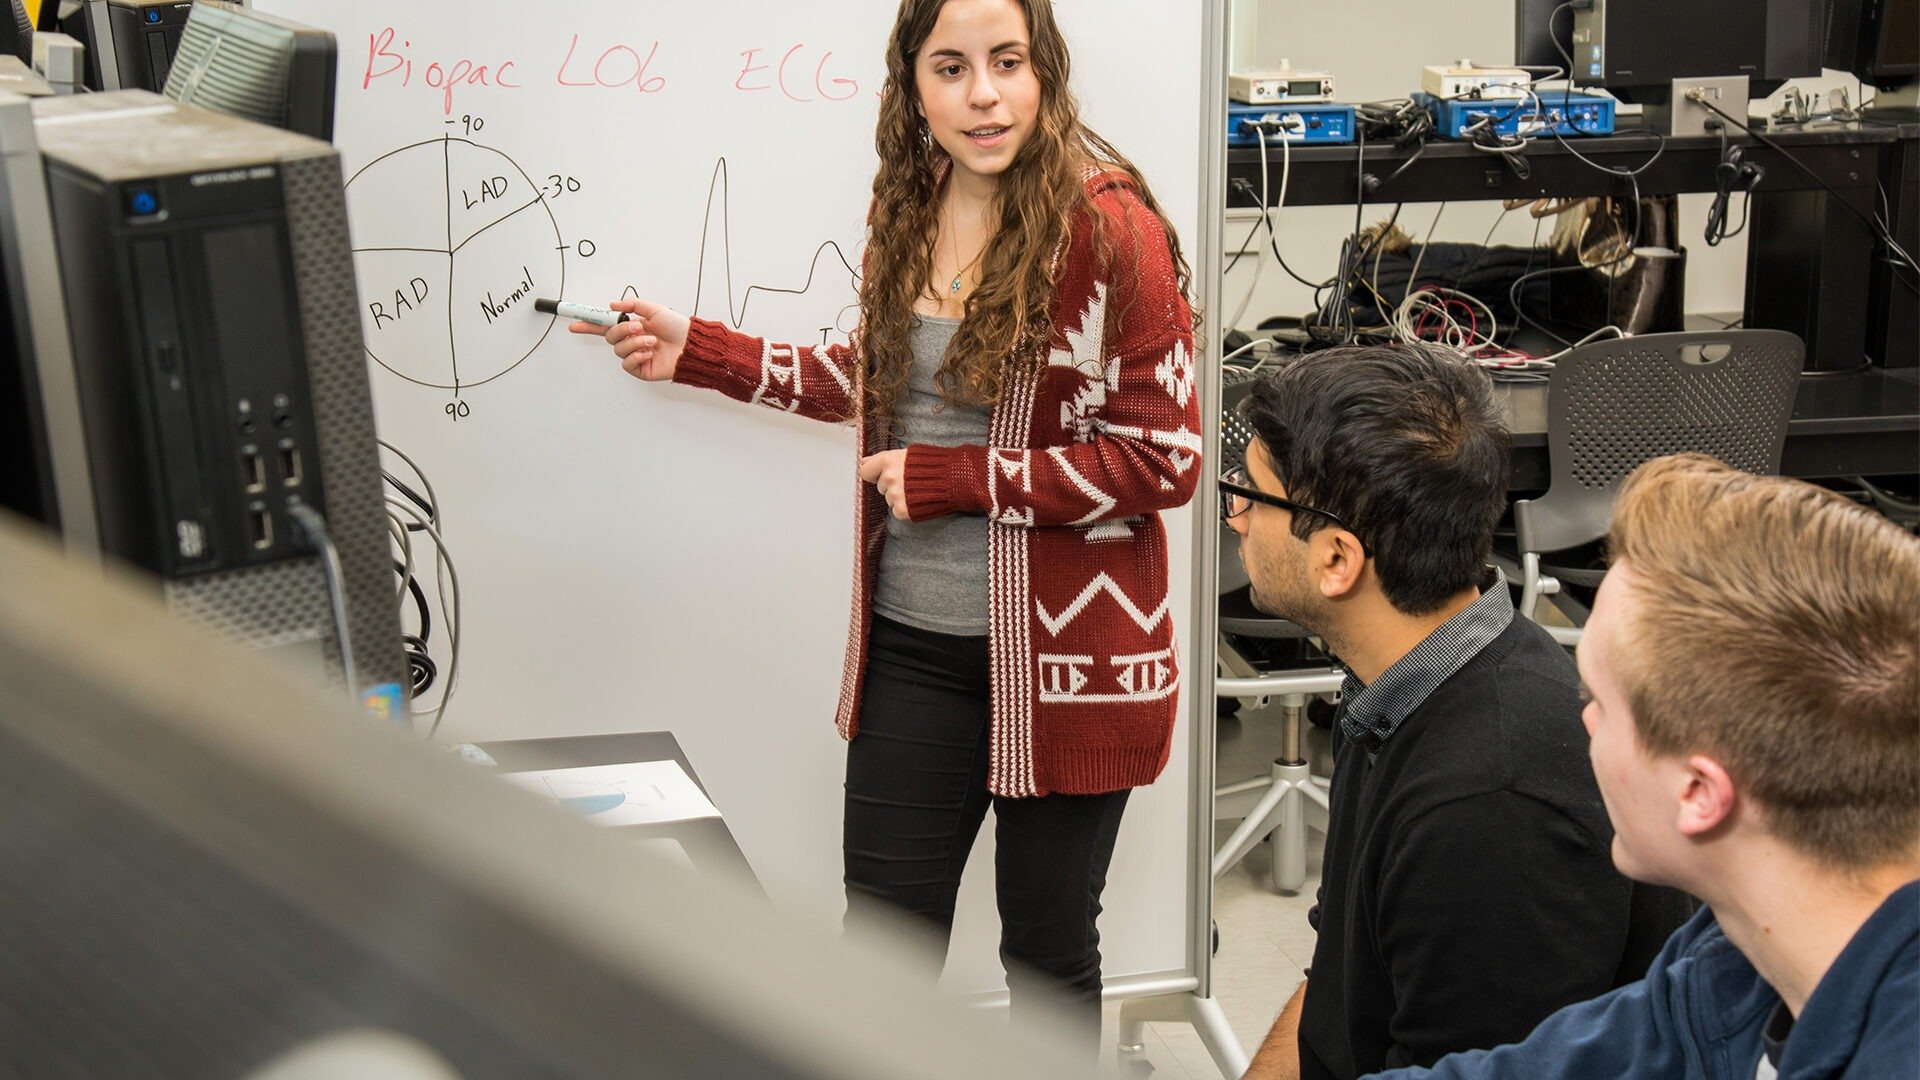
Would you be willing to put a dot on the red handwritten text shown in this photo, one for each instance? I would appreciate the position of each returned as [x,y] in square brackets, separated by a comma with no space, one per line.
[795,89]
[619,65]
[384,61]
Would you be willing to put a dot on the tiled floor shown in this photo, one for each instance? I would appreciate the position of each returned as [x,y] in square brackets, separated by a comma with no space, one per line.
[1264,937]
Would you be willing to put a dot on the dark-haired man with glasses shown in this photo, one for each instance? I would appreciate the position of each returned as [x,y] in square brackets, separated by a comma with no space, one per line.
[1467,891]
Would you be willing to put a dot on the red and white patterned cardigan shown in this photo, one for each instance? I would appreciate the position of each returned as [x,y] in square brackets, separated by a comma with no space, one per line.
[1080,459]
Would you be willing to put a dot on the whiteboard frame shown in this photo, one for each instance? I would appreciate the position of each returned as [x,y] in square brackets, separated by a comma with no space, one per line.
[1204,618]
[1204,247]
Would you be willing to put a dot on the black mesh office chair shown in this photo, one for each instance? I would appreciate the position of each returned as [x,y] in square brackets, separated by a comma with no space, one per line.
[1615,404]
[1286,801]
[16,32]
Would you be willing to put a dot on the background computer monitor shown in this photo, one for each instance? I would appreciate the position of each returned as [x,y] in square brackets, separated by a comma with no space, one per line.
[1643,45]
[258,67]
[1878,41]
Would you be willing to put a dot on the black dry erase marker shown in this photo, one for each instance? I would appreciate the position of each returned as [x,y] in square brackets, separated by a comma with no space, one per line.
[583,312]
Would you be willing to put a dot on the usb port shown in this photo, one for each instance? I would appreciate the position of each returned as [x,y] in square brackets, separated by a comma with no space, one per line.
[290,466]
[260,524]
[254,468]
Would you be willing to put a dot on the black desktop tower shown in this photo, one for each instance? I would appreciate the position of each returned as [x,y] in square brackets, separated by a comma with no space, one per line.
[130,43]
[216,375]
[1636,48]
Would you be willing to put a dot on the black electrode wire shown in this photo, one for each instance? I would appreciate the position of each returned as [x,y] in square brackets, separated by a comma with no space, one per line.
[1660,146]
[1879,230]
[1337,316]
[1273,240]
[1404,122]
[413,496]
[419,601]
[1235,261]
[421,670]
[1885,215]
[1418,150]
[1461,273]
[1245,187]
[430,503]
[1555,38]
[1732,172]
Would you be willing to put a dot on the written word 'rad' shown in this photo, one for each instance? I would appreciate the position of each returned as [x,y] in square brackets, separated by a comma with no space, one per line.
[402,302]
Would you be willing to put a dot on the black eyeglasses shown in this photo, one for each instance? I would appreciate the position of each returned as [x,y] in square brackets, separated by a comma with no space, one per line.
[1237,496]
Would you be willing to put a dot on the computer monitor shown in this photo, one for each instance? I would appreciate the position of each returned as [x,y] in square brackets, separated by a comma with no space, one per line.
[1636,48]
[210,868]
[1878,41]
[257,67]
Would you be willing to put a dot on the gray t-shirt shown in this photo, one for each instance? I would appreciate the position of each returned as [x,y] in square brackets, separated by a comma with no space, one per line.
[933,574]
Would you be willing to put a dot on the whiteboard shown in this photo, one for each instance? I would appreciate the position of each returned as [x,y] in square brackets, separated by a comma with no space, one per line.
[642,558]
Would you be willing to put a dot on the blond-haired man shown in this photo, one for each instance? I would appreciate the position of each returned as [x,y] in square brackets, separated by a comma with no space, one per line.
[1753,668]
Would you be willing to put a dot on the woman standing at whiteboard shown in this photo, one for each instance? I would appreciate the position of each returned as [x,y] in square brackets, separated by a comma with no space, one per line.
[1022,386]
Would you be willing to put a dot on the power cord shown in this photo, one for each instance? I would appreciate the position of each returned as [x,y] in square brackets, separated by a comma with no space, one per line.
[447,578]
[1245,187]
[415,513]
[1734,173]
[1698,96]
[310,530]
[1333,323]
[1259,129]
[1402,122]
[1569,6]
[420,665]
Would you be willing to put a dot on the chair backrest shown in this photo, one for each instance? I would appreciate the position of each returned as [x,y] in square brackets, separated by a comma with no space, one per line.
[1615,404]
[1235,434]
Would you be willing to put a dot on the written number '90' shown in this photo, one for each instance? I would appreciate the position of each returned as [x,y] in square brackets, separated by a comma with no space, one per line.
[458,410]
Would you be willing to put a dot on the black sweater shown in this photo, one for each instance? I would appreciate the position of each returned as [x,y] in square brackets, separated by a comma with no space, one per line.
[1468,889]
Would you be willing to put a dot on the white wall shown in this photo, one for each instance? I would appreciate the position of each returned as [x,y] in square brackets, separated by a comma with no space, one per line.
[1375,50]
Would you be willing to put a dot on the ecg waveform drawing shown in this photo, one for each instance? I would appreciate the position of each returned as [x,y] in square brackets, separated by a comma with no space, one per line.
[467,242]
[719,192]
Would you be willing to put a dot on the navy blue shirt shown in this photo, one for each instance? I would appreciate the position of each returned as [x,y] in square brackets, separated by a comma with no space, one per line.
[1703,1011]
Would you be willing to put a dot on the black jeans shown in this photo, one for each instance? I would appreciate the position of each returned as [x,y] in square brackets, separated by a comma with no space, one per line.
[916,794]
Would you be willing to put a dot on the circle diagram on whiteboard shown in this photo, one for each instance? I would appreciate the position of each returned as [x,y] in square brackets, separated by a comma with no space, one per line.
[452,243]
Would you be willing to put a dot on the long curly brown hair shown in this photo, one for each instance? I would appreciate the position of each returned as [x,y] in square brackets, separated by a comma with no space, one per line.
[1007,319]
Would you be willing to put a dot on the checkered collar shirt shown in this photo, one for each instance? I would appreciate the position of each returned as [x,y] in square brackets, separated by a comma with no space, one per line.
[1371,713]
